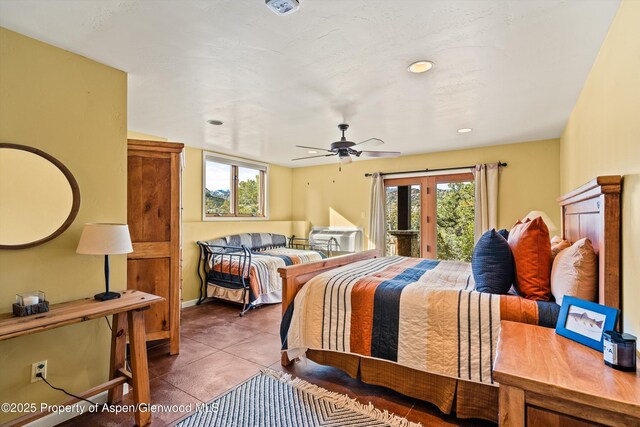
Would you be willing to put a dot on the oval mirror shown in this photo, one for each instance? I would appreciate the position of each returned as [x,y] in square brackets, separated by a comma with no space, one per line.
[39,197]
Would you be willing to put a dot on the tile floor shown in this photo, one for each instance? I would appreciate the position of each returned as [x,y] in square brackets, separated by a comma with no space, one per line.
[219,350]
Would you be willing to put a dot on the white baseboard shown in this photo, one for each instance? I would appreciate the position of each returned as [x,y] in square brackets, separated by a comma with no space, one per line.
[59,417]
[189,303]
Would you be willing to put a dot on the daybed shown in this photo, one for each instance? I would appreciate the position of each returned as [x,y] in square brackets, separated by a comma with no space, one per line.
[243,268]
[418,326]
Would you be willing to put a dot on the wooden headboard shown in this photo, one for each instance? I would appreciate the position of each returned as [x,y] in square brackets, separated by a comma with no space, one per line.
[593,211]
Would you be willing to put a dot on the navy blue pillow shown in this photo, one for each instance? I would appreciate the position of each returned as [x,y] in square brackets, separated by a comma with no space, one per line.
[492,264]
[504,233]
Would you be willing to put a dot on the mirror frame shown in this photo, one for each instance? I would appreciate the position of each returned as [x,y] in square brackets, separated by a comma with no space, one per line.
[75,192]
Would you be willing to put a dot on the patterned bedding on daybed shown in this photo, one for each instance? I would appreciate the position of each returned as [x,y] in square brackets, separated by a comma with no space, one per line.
[264,281]
[419,313]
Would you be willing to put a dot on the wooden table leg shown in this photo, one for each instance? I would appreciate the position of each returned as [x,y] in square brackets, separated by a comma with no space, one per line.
[139,367]
[118,353]
[284,359]
[511,406]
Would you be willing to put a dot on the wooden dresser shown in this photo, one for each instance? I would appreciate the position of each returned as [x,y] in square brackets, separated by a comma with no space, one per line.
[548,380]
[154,217]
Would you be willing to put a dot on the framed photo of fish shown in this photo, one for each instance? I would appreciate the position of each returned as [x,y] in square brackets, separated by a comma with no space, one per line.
[585,321]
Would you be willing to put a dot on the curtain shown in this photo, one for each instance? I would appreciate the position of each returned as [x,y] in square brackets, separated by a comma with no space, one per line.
[486,216]
[377,223]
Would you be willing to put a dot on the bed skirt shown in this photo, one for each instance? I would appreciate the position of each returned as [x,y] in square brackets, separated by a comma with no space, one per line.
[467,399]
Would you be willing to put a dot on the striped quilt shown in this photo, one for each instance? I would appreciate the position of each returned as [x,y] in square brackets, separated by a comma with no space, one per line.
[419,313]
[263,275]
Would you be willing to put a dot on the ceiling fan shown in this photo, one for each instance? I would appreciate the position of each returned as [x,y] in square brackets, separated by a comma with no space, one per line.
[344,149]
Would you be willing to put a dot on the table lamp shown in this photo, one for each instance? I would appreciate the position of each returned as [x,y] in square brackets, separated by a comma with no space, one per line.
[535,214]
[105,239]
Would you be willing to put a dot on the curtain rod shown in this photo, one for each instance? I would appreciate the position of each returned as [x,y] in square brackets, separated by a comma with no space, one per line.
[500,164]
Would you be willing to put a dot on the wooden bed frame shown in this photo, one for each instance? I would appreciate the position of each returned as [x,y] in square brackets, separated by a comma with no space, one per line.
[592,211]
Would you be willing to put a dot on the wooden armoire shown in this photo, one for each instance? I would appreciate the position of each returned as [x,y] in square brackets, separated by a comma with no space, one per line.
[154,217]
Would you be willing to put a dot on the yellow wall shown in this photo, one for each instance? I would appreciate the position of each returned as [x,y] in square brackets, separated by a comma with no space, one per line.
[603,137]
[144,136]
[76,110]
[324,196]
[195,229]
[303,197]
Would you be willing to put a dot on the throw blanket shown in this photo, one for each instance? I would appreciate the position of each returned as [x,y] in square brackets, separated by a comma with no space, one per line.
[419,313]
[263,275]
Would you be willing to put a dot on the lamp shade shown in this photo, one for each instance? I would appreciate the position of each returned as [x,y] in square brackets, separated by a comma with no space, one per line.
[535,214]
[105,239]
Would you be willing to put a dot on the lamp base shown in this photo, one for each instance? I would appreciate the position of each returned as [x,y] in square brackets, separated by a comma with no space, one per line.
[106,296]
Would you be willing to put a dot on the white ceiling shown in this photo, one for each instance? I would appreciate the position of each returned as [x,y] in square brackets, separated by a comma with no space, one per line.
[510,69]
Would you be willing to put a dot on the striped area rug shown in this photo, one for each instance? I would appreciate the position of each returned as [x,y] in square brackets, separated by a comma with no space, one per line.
[273,398]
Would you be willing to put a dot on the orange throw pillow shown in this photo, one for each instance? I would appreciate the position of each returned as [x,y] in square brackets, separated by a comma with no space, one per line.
[531,248]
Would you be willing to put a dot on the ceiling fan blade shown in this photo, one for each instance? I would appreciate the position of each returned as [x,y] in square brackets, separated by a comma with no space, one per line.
[312,148]
[313,157]
[372,142]
[345,160]
[381,153]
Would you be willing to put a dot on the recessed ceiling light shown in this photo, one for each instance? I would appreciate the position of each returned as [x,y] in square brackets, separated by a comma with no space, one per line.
[464,130]
[215,122]
[420,67]
[312,152]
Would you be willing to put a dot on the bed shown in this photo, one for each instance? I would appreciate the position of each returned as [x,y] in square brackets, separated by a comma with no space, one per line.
[443,356]
[243,268]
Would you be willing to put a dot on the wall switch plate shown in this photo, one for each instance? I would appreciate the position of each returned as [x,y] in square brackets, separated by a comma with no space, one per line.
[36,368]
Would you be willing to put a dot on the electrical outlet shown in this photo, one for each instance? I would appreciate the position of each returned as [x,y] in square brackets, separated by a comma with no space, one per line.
[38,368]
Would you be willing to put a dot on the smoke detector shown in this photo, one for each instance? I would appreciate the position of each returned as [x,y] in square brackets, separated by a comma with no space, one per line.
[282,7]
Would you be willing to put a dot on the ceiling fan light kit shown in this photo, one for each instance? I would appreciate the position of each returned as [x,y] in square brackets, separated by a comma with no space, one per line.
[344,148]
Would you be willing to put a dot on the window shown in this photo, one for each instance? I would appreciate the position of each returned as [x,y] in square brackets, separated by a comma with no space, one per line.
[233,188]
[431,216]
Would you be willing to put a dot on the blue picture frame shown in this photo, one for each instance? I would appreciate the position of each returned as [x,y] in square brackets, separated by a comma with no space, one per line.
[582,321]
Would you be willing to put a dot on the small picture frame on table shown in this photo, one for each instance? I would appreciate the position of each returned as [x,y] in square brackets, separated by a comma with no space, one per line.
[585,321]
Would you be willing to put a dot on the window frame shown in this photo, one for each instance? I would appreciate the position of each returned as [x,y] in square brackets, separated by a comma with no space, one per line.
[236,163]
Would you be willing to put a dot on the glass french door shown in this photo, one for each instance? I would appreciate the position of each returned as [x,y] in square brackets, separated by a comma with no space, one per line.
[407,233]
[454,198]
[431,216]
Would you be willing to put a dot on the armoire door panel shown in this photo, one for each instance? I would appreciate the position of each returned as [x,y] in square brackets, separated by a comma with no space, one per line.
[149,213]
[150,250]
[134,197]
[152,275]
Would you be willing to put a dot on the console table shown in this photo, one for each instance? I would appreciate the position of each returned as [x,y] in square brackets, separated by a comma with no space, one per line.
[128,319]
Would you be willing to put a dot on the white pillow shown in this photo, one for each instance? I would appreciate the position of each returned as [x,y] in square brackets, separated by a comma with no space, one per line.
[575,272]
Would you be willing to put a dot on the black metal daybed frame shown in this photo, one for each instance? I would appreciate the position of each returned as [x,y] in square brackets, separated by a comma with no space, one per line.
[217,256]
